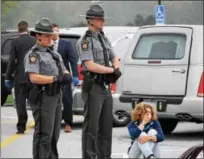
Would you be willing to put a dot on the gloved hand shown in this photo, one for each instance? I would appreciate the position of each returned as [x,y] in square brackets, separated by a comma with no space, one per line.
[75,81]
[63,79]
[117,73]
[7,83]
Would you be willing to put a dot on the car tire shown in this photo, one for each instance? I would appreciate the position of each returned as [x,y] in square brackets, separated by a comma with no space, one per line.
[168,125]
[120,118]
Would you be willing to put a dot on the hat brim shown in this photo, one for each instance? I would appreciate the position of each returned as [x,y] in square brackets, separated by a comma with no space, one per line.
[94,17]
[33,32]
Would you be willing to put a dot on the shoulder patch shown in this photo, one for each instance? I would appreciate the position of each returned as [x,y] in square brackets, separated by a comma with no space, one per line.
[85,45]
[33,58]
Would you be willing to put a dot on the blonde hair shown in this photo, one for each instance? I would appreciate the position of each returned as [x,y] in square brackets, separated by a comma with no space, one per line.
[140,110]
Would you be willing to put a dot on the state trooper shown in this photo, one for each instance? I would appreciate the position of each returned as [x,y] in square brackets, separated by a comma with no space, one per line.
[96,54]
[47,73]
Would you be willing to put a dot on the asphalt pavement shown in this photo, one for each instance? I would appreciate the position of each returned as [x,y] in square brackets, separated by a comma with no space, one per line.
[20,146]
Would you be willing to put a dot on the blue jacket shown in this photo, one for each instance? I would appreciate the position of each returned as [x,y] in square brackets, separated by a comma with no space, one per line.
[134,131]
[68,55]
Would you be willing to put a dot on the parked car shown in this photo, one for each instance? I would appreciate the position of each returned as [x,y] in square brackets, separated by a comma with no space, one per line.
[120,37]
[164,66]
[6,39]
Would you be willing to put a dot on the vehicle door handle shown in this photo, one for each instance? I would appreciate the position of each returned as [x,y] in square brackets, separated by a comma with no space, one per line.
[179,71]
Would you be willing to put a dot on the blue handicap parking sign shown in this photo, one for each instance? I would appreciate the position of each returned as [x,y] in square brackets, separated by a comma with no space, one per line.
[159,14]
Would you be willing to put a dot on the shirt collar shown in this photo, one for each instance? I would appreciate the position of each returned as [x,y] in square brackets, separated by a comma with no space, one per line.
[95,34]
[56,41]
[24,33]
[41,48]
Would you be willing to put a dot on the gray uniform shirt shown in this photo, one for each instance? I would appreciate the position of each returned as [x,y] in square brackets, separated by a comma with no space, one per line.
[41,62]
[89,48]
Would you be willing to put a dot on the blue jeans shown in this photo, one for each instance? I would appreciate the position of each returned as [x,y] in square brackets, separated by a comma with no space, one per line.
[137,149]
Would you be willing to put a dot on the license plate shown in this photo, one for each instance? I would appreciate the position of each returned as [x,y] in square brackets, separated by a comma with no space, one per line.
[151,102]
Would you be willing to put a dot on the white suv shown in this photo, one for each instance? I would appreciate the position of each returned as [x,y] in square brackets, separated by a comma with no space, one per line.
[164,66]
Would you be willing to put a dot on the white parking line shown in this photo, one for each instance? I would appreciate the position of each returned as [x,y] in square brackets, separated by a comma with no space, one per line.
[8,117]
[11,117]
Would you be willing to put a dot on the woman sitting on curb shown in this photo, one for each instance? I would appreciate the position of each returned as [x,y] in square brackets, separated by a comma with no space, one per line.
[145,132]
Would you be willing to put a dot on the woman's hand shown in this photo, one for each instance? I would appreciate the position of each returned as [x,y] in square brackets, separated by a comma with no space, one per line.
[143,139]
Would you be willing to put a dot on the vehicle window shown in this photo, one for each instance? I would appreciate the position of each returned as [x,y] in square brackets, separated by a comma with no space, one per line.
[6,47]
[121,47]
[163,46]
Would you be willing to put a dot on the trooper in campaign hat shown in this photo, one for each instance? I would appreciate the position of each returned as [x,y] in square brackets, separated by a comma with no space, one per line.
[95,11]
[96,53]
[43,26]
[47,73]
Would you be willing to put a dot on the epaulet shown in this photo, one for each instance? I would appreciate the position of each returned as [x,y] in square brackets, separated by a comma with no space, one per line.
[102,32]
[87,34]
[34,49]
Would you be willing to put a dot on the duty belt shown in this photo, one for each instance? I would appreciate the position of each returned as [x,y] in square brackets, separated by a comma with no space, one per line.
[100,81]
[50,89]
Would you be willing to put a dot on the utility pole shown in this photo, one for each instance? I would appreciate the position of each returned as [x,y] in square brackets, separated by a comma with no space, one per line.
[159,2]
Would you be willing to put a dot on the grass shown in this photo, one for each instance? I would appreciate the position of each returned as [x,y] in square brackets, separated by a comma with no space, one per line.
[9,99]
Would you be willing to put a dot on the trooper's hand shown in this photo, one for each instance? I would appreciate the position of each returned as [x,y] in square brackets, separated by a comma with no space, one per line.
[64,79]
[117,73]
[8,83]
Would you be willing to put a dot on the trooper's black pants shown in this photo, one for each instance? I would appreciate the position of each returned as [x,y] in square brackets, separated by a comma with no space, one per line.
[97,126]
[21,92]
[67,104]
[47,115]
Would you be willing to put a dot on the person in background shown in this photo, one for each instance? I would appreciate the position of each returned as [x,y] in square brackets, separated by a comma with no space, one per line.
[69,56]
[145,132]
[19,48]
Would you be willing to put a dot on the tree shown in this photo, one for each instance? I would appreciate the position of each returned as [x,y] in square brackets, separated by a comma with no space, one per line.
[150,20]
[139,20]
[6,5]
[80,24]
[7,10]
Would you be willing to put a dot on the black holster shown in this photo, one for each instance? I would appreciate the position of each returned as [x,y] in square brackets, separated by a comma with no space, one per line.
[52,89]
[87,82]
[110,78]
[33,95]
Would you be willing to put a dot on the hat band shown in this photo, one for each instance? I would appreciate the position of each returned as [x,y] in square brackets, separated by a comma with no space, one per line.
[49,30]
[95,15]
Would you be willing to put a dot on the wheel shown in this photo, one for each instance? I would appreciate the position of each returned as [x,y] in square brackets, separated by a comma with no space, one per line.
[168,125]
[121,118]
